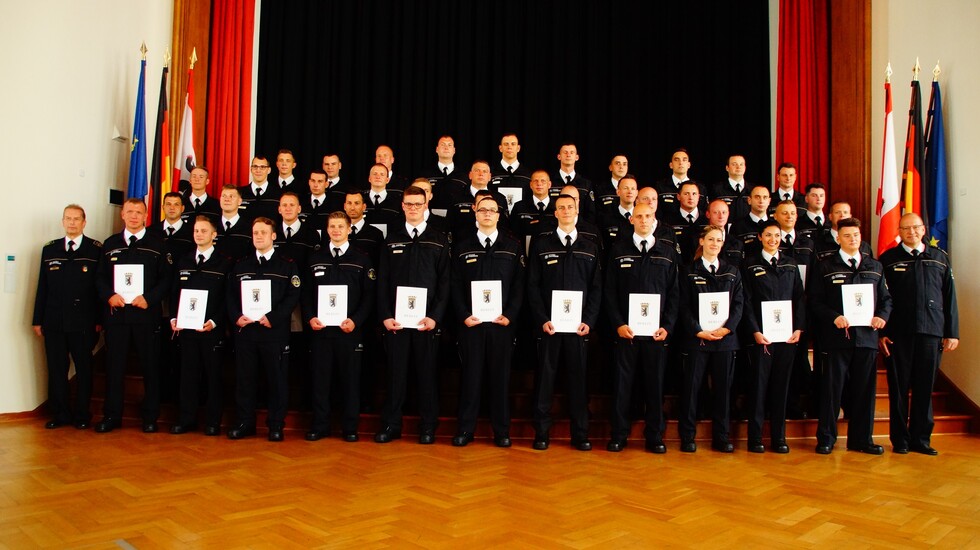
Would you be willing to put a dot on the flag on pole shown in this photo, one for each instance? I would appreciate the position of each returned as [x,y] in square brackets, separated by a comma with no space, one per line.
[186,158]
[160,173]
[937,190]
[137,155]
[888,208]
[913,168]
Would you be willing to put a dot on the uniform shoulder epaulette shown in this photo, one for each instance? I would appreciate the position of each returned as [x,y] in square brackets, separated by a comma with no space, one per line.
[97,244]
[939,249]
[52,241]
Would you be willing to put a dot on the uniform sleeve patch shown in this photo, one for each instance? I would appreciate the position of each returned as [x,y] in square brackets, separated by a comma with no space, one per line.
[295,281]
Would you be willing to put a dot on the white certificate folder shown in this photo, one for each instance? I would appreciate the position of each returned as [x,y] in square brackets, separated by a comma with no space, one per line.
[777,320]
[410,303]
[192,309]
[713,310]
[859,304]
[256,298]
[127,281]
[486,299]
[566,310]
[644,314]
[331,304]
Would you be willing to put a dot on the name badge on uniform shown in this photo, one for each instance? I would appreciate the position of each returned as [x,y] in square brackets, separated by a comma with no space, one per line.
[552,262]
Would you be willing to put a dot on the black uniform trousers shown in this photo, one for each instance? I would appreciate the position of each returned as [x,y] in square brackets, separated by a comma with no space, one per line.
[249,353]
[421,349]
[912,365]
[343,357]
[145,337]
[650,356]
[772,368]
[568,350]
[857,367]
[720,366]
[200,358]
[485,348]
[57,347]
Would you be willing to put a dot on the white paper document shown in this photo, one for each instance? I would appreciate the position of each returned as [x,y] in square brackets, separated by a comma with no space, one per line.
[566,310]
[410,302]
[859,304]
[644,314]
[256,298]
[331,304]
[192,309]
[512,194]
[127,281]
[487,300]
[777,320]
[803,274]
[382,227]
[713,310]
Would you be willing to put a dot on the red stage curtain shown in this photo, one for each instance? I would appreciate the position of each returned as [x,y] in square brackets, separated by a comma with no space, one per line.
[228,124]
[803,90]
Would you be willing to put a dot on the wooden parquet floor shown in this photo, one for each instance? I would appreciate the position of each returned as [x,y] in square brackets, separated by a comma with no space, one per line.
[69,489]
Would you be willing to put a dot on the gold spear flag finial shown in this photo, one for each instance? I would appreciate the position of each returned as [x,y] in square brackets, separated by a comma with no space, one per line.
[935,72]
[166,58]
[916,69]
[888,73]
[143,50]
[193,57]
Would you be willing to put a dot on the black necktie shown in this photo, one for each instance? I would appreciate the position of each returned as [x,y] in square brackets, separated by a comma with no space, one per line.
[568,180]
[170,231]
[227,226]
[258,192]
[336,252]
[200,259]
[789,240]
[713,269]
[262,260]
[282,184]
[738,188]
[71,247]
[445,170]
[415,233]
[486,244]
[773,261]
[818,221]
[353,230]
[316,204]
[377,200]
[643,246]
[289,233]
[915,253]
[785,196]
[540,206]
[854,263]
[132,241]
[568,242]
[628,217]
[197,203]
[690,218]
[510,169]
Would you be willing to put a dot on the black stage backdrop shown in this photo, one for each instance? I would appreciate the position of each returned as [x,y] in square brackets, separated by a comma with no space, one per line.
[637,78]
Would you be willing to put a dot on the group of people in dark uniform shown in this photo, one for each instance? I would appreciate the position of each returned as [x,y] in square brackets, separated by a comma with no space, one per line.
[671,282]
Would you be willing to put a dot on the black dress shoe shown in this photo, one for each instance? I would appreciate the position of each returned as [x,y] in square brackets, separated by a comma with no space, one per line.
[351,437]
[689,447]
[923,449]
[463,439]
[824,449]
[52,424]
[502,441]
[315,435]
[241,431]
[212,430]
[724,447]
[869,449]
[178,429]
[540,443]
[656,446]
[582,444]
[387,434]
[756,447]
[427,438]
[779,447]
[107,424]
[150,427]
[616,445]
[82,425]
[276,435]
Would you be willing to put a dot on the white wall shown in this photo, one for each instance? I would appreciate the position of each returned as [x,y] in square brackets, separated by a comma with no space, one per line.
[70,75]
[944,30]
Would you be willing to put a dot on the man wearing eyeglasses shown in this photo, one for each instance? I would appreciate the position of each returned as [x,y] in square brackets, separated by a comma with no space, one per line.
[486,257]
[259,198]
[413,257]
[924,324]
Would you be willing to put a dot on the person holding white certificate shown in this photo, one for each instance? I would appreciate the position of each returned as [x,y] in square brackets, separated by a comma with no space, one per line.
[640,302]
[563,263]
[772,325]
[337,302]
[488,290]
[710,287]
[199,294]
[849,350]
[413,255]
[134,263]
[262,291]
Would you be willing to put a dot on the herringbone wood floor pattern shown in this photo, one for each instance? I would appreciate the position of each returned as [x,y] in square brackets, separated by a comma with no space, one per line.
[68,489]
